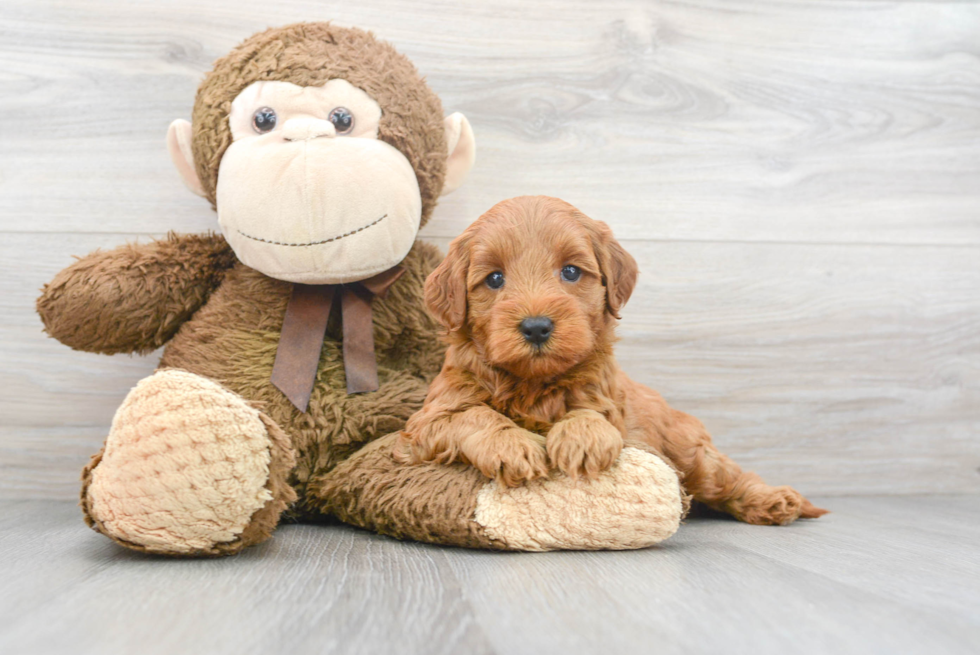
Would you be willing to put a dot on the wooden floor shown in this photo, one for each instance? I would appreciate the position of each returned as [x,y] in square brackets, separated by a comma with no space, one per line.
[879,575]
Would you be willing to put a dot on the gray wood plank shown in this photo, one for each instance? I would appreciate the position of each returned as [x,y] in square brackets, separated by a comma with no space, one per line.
[696,595]
[836,369]
[767,121]
[797,180]
[954,518]
[866,531]
[845,583]
[318,590]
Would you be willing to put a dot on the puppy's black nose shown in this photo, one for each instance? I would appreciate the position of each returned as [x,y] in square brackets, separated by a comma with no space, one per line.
[537,329]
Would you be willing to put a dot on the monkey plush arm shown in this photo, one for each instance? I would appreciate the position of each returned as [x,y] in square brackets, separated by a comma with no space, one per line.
[133,298]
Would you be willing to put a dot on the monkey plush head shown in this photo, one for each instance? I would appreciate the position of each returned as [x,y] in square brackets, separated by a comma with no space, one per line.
[322,150]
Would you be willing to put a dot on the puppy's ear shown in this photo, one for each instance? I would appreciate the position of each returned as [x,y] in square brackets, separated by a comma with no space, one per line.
[619,269]
[445,288]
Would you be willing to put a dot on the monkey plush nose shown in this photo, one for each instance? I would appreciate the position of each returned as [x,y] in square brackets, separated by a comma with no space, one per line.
[537,329]
[304,129]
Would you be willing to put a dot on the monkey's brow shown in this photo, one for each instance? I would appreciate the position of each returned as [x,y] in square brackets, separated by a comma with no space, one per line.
[314,243]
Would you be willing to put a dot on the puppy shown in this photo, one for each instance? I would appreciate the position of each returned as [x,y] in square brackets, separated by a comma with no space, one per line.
[529,295]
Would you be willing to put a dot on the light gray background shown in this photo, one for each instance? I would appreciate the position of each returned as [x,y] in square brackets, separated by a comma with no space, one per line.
[799,181]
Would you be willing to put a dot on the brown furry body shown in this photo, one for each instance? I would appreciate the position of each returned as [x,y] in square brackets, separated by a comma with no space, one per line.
[233,340]
[512,408]
[221,319]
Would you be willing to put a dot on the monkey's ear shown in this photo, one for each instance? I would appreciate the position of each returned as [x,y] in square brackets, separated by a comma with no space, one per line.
[445,288]
[462,151]
[179,146]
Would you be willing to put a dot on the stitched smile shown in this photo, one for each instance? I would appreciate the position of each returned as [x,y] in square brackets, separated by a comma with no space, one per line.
[314,243]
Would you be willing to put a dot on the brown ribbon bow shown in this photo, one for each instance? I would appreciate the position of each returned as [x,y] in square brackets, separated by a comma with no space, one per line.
[304,328]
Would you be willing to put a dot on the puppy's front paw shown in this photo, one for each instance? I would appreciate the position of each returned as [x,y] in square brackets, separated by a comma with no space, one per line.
[511,456]
[415,449]
[583,443]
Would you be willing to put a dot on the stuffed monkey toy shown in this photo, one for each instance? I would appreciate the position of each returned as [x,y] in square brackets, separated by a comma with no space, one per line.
[297,343]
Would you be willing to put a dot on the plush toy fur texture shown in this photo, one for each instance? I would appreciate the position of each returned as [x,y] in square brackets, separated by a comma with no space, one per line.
[171,479]
[321,462]
[233,340]
[637,503]
[188,468]
[134,298]
[310,54]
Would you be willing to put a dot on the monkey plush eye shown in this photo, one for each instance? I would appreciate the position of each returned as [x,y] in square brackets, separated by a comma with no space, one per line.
[495,280]
[571,273]
[264,120]
[342,120]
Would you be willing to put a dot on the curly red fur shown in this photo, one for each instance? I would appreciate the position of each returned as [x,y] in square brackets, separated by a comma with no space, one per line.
[514,409]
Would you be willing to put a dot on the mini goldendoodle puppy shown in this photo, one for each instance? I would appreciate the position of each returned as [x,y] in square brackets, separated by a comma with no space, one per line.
[529,295]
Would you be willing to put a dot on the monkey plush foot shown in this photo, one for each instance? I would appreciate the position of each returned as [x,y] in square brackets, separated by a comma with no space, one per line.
[188,469]
[635,503]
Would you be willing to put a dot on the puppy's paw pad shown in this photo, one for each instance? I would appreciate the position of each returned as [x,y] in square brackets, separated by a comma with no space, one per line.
[772,506]
[414,451]
[584,444]
[513,457]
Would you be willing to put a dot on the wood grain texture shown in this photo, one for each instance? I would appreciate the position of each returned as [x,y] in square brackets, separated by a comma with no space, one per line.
[798,180]
[872,390]
[879,575]
[785,121]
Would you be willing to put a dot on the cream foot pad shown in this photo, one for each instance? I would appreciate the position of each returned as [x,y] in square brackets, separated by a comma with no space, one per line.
[185,467]
[638,502]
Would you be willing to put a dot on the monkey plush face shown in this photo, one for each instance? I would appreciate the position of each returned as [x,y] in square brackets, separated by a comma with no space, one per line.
[306,191]
[324,160]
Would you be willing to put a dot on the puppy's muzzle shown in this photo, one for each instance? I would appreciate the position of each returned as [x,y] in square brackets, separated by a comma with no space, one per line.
[537,329]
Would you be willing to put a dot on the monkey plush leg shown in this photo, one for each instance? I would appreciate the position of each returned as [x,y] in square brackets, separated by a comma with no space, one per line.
[188,469]
[635,503]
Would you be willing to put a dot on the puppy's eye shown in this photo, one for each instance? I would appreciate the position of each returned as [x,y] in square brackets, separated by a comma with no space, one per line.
[342,119]
[495,280]
[571,273]
[264,120]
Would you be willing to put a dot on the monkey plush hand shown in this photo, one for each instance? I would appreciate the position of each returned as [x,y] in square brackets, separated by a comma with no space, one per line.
[297,340]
